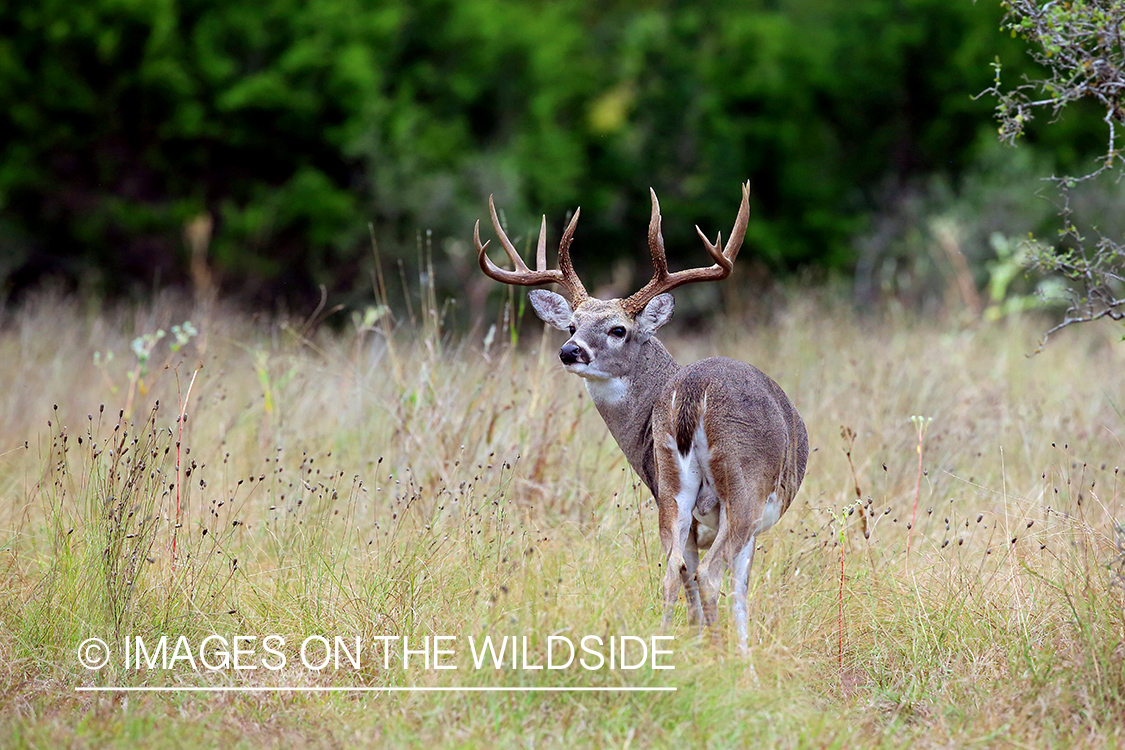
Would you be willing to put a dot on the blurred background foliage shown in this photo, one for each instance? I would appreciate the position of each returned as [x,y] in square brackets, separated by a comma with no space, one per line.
[268,135]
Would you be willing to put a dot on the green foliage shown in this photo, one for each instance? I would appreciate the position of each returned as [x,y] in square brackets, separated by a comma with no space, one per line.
[295,124]
[1082,61]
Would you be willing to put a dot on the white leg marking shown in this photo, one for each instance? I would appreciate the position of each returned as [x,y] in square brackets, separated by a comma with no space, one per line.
[690,481]
[743,559]
[683,558]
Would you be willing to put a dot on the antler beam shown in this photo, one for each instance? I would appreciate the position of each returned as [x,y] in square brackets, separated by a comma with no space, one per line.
[662,281]
[564,275]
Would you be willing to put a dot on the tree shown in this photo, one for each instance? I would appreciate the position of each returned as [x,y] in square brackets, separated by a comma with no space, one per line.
[1080,47]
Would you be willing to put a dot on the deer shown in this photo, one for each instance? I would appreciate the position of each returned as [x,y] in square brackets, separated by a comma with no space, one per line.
[717,442]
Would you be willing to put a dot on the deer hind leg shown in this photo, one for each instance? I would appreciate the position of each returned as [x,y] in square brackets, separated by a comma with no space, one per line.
[679,483]
[760,514]
[710,572]
[739,523]
[688,576]
[740,571]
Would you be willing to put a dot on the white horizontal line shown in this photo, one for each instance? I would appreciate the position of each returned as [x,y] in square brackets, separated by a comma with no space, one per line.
[361,689]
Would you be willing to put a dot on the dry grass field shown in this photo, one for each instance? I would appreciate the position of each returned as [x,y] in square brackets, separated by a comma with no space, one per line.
[406,483]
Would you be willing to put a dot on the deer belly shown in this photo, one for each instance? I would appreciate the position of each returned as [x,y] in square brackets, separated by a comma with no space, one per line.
[706,509]
[706,524]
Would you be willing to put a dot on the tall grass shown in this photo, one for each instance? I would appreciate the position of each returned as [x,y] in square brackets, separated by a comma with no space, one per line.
[401,481]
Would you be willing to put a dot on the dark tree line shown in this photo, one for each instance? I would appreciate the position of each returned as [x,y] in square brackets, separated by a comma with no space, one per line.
[292,125]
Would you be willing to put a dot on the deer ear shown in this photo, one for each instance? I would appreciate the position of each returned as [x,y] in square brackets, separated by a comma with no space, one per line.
[656,314]
[551,308]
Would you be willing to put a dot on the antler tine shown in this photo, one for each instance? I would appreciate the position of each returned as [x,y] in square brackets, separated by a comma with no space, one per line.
[490,269]
[541,248]
[662,281]
[521,274]
[738,231]
[656,239]
[712,249]
[573,283]
[517,261]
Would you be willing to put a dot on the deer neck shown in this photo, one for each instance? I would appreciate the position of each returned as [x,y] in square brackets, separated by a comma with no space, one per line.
[626,402]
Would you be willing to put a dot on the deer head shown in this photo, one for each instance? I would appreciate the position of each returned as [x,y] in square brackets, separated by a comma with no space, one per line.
[606,335]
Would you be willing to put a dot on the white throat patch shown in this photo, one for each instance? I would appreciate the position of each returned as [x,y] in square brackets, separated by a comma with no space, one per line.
[607,390]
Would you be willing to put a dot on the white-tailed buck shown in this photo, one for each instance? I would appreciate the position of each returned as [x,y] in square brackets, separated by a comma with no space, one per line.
[718,442]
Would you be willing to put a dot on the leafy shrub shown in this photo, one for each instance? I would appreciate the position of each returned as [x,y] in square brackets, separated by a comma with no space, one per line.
[1079,51]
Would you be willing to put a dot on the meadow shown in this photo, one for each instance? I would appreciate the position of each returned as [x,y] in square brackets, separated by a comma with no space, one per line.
[951,573]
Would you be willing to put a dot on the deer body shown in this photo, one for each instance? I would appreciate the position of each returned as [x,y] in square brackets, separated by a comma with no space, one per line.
[728,443]
[717,442]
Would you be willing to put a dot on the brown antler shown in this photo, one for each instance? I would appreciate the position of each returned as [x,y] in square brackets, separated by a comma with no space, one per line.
[662,281]
[564,275]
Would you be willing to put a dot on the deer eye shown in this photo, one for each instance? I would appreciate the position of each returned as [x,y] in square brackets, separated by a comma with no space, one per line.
[617,332]
[571,328]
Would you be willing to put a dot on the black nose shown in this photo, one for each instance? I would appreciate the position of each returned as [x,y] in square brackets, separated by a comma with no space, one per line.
[570,353]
